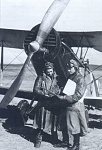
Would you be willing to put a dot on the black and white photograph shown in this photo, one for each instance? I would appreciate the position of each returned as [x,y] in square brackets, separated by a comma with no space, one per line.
[51,75]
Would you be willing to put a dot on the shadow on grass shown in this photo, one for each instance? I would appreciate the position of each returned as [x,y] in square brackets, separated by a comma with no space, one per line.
[14,124]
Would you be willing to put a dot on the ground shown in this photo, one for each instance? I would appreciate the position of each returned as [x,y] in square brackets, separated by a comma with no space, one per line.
[13,137]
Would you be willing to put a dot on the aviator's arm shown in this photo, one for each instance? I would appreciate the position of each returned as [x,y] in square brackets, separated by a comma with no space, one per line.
[38,90]
[79,92]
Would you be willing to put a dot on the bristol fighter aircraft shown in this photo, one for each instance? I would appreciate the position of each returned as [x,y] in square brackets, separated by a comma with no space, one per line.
[58,49]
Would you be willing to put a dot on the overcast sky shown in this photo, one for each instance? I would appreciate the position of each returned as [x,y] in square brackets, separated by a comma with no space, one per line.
[79,15]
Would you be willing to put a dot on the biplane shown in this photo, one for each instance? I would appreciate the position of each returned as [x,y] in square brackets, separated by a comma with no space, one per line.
[60,50]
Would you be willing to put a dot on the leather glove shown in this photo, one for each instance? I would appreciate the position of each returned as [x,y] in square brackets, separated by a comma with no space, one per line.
[61,97]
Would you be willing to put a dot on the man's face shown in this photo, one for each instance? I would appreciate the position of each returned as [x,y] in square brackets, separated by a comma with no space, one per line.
[72,69]
[49,72]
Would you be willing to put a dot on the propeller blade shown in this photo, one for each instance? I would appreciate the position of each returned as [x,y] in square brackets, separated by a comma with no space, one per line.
[16,84]
[49,20]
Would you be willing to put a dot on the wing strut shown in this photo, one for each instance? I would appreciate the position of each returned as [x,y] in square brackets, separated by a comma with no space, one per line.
[2,59]
[73,54]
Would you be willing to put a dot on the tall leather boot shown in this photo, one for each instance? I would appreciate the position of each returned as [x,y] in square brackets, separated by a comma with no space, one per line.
[38,139]
[65,142]
[54,137]
[76,145]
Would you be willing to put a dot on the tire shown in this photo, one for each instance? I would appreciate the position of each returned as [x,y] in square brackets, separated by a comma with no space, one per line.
[22,106]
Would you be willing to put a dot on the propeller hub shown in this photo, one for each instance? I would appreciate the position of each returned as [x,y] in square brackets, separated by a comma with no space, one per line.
[34,46]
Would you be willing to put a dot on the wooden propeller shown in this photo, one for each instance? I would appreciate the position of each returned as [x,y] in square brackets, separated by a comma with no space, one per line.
[48,21]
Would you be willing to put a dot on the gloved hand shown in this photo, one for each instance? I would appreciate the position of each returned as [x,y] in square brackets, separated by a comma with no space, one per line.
[61,97]
[50,94]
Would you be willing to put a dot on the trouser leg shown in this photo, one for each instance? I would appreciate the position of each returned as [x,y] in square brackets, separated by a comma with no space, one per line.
[76,139]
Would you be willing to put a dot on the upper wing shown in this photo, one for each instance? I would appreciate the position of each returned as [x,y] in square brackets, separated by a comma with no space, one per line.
[83,39]
[12,38]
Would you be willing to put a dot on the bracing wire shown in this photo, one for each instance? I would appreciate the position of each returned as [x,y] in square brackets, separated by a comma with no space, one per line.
[95,80]
[16,57]
[20,59]
[11,61]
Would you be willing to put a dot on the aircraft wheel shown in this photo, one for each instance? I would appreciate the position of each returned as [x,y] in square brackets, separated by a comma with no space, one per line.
[22,106]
